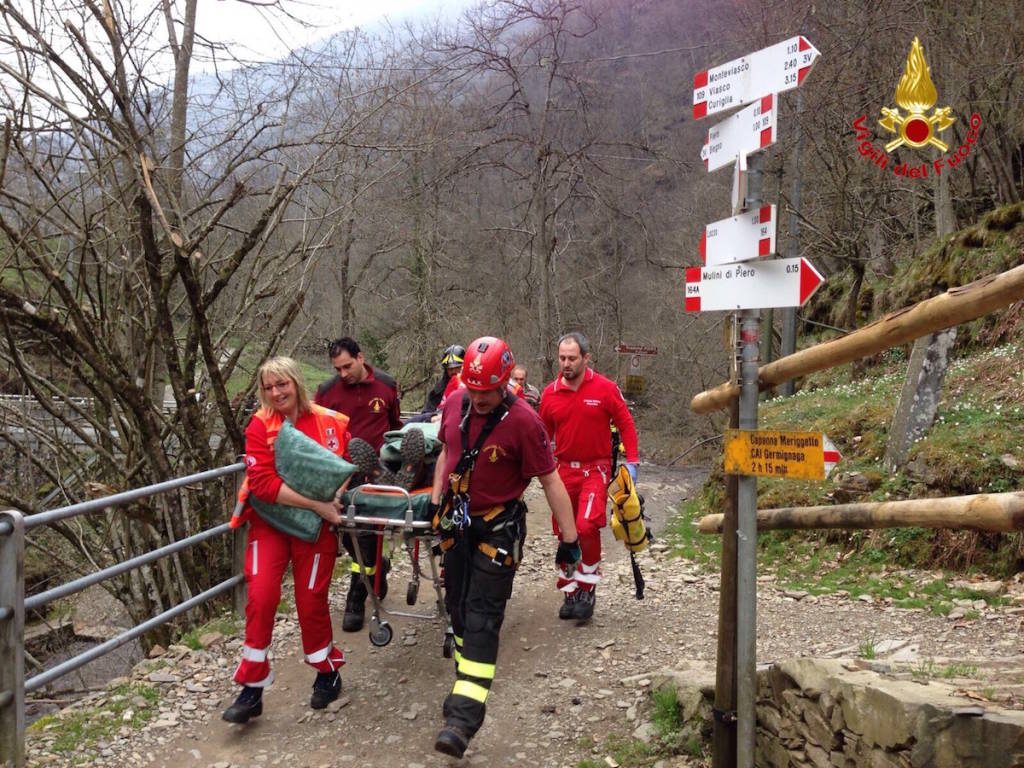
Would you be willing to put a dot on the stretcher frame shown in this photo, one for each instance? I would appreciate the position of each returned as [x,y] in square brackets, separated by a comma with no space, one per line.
[413,533]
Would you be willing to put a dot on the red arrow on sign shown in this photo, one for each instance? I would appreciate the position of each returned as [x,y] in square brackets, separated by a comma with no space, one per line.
[751,285]
[775,69]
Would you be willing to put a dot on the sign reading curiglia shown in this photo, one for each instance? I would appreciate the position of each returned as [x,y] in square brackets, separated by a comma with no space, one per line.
[768,453]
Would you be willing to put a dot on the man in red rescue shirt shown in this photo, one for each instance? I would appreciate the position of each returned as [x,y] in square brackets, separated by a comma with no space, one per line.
[370,400]
[577,409]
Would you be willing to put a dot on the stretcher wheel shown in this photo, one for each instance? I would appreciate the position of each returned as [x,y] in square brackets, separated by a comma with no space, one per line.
[411,592]
[449,646]
[382,635]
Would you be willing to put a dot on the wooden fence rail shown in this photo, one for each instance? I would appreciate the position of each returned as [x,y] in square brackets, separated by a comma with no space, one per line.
[955,306]
[996,512]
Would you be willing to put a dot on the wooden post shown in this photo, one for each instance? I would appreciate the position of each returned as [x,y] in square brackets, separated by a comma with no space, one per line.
[723,734]
[955,306]
[994,512]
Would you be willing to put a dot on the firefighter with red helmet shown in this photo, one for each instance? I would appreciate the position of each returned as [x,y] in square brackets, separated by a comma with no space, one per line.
[493,444]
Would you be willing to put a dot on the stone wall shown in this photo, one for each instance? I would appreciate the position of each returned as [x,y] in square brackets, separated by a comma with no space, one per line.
[828,713]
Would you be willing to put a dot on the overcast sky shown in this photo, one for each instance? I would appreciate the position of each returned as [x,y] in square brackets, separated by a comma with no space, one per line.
[256,33]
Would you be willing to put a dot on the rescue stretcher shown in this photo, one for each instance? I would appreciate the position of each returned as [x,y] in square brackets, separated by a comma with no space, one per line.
[389,510]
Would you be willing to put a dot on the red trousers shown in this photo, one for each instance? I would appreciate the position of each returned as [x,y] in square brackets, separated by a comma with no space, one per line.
[268,552]
[587,484]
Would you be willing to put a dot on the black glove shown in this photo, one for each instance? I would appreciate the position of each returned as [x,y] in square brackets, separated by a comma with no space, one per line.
[432,510]
[568,555]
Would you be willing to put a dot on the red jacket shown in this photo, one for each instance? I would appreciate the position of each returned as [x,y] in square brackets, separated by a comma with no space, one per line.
[328,428]
[579,422]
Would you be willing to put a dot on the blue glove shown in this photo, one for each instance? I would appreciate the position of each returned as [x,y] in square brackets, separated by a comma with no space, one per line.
[631,468]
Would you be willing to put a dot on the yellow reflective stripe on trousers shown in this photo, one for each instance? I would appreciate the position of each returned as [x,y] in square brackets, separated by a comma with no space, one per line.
[368,570]
[476,669]
[470,691]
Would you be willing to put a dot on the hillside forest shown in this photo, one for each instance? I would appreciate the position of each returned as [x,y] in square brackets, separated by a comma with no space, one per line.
[171,213]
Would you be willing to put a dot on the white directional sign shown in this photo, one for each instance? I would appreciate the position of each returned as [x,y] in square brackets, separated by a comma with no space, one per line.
[750,235]
[778,68]
[745,132]
[751,285]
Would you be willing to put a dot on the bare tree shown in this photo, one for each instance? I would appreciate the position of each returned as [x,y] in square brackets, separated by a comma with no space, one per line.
[148,229]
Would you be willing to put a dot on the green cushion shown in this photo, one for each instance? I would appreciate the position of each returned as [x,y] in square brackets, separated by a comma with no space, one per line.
[387,505]
[307,468]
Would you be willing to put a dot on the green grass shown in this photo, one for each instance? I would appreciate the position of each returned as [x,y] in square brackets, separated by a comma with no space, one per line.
[973,447]
[959,670]
[866,648]
[78,730]
[227,625]
[665,710]
[675,737]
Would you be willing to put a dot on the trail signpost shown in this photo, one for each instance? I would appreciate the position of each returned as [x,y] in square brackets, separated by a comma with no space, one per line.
[780,67]
[736,276]
[748,131]
[628,349]
[748,236]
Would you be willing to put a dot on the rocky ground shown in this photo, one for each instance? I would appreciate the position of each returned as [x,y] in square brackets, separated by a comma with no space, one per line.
[560,690]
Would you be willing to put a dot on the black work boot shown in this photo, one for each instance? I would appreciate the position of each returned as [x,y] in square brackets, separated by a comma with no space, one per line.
[355,605]
[248,704]
[326,688]
[413,450]
[584,608]
[566,610]
[368,462]
[452,740]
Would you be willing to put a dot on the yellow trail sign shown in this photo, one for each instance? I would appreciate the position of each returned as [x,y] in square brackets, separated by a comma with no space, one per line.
[767,453]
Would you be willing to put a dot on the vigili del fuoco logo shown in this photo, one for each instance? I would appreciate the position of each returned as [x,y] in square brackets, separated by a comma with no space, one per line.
[914,126]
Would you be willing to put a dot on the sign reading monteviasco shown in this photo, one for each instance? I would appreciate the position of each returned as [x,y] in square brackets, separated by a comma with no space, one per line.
[780,67]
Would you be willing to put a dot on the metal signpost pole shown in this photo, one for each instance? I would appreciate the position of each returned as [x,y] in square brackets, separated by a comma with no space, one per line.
[12,632]
[788,346]
[736,276]
[746,534]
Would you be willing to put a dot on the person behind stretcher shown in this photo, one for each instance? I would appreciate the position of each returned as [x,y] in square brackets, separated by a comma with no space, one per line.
[493,444]
[283,395]
[369,397]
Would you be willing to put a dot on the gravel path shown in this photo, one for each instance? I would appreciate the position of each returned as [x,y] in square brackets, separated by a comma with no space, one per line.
[559,689]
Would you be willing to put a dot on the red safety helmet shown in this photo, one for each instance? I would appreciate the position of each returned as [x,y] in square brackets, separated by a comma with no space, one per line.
[488,364]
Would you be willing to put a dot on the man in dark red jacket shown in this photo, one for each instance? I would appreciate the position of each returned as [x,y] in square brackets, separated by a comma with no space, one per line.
[577,409]
[370,400]
[493,445]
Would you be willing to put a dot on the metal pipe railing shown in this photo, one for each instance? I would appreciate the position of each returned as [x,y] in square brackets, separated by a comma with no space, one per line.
[116,642]
[13,603]
[95,505]
[35,601]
